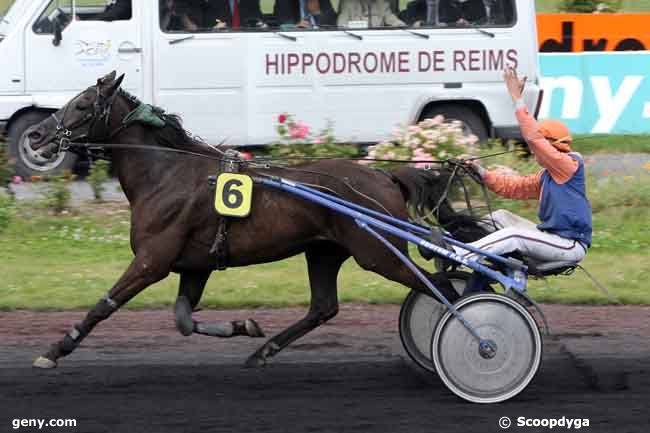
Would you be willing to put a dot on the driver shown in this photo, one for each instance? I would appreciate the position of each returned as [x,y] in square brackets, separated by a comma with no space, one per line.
[564,233]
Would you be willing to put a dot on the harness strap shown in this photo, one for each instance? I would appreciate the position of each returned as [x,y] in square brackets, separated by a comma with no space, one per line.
[220,248]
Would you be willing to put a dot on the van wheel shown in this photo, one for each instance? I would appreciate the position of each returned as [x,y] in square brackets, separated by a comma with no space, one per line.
[28,164]
[472,122]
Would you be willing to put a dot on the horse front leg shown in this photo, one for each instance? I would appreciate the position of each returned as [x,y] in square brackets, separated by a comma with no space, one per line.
[144,270]
[189,294]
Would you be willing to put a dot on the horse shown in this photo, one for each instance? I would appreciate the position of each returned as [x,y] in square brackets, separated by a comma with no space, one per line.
[174,222]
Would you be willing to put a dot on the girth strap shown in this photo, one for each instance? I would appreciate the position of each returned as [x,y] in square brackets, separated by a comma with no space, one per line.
[230,164]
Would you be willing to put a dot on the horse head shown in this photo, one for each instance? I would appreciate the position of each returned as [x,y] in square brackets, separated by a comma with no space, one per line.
[86,117]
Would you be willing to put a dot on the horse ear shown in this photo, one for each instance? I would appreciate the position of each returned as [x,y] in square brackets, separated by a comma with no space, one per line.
[107,79]
[116,85]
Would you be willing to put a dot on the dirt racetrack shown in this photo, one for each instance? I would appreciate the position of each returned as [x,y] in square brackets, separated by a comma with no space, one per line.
[136,374]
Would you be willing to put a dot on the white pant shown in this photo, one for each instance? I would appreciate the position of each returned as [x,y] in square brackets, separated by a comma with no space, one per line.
[519,234]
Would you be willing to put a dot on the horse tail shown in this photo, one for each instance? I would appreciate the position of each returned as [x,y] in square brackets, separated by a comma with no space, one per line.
[425,192]
[421,189]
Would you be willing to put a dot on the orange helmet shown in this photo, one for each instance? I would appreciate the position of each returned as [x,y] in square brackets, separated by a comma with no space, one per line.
[557,133]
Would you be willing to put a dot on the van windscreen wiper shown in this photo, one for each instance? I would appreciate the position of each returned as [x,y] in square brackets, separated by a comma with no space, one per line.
[285,36]
[483,31]
[421,35]
[179,40]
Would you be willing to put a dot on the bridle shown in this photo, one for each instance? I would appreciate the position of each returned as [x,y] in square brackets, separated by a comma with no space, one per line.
[100,116]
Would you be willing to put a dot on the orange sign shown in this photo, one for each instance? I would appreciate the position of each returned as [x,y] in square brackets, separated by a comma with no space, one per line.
[566,33]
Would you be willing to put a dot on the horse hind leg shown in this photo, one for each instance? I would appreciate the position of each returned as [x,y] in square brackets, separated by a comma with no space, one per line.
[323,263]
[384,262]
[190,291]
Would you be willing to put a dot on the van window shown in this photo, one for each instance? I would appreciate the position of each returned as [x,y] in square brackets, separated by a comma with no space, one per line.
[88,10]
[458,13]
[192,16]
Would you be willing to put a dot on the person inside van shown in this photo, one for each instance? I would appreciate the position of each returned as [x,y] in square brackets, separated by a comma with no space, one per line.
[116,10]
[462,12]
[419,13]
[235,14]
[308,14]
[175,16]
[564,210]
[367,13]
[501,12]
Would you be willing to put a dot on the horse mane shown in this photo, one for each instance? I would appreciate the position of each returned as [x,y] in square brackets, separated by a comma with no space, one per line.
[173,134]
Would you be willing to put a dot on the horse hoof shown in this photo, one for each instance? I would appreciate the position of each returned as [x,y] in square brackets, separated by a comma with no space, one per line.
[43,362]
[253,329]
[254,362]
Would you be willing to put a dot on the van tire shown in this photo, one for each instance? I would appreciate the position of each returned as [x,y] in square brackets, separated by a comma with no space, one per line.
[471,120]
[25,167]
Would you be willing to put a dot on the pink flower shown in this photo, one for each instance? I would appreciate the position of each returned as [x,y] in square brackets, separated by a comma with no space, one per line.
[439,119]
[246,156]
[282,118]
[299,131]
[16,180]
[318,140]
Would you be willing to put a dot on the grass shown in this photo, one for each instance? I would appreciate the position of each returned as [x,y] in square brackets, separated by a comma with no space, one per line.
[70,261]
[589,144]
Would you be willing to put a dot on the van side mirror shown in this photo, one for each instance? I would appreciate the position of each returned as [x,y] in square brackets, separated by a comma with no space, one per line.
[58,32]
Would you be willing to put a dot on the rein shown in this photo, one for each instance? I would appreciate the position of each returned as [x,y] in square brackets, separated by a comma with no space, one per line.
[101,146]
[103,107]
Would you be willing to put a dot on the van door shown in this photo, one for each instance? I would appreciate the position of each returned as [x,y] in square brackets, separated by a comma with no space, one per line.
[202,75]
[95,40]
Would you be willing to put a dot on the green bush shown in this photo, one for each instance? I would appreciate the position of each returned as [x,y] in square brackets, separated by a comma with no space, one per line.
[297,141]
[589,6]
[6,210]
[619,192]
[97,177]
[5,166]
[57,196]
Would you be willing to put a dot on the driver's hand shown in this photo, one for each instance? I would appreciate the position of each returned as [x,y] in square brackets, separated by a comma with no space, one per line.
[472,163]
[514,84]
[304,24]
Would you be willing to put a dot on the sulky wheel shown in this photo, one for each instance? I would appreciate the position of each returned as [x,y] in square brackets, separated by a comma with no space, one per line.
[418,318]
[487,376]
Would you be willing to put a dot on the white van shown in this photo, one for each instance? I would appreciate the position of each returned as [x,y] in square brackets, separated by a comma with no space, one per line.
[230,83]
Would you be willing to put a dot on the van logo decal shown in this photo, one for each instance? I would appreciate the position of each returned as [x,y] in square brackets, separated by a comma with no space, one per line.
[93,53]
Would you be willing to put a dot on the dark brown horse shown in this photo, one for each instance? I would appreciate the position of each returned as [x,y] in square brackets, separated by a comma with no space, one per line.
[173,221]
